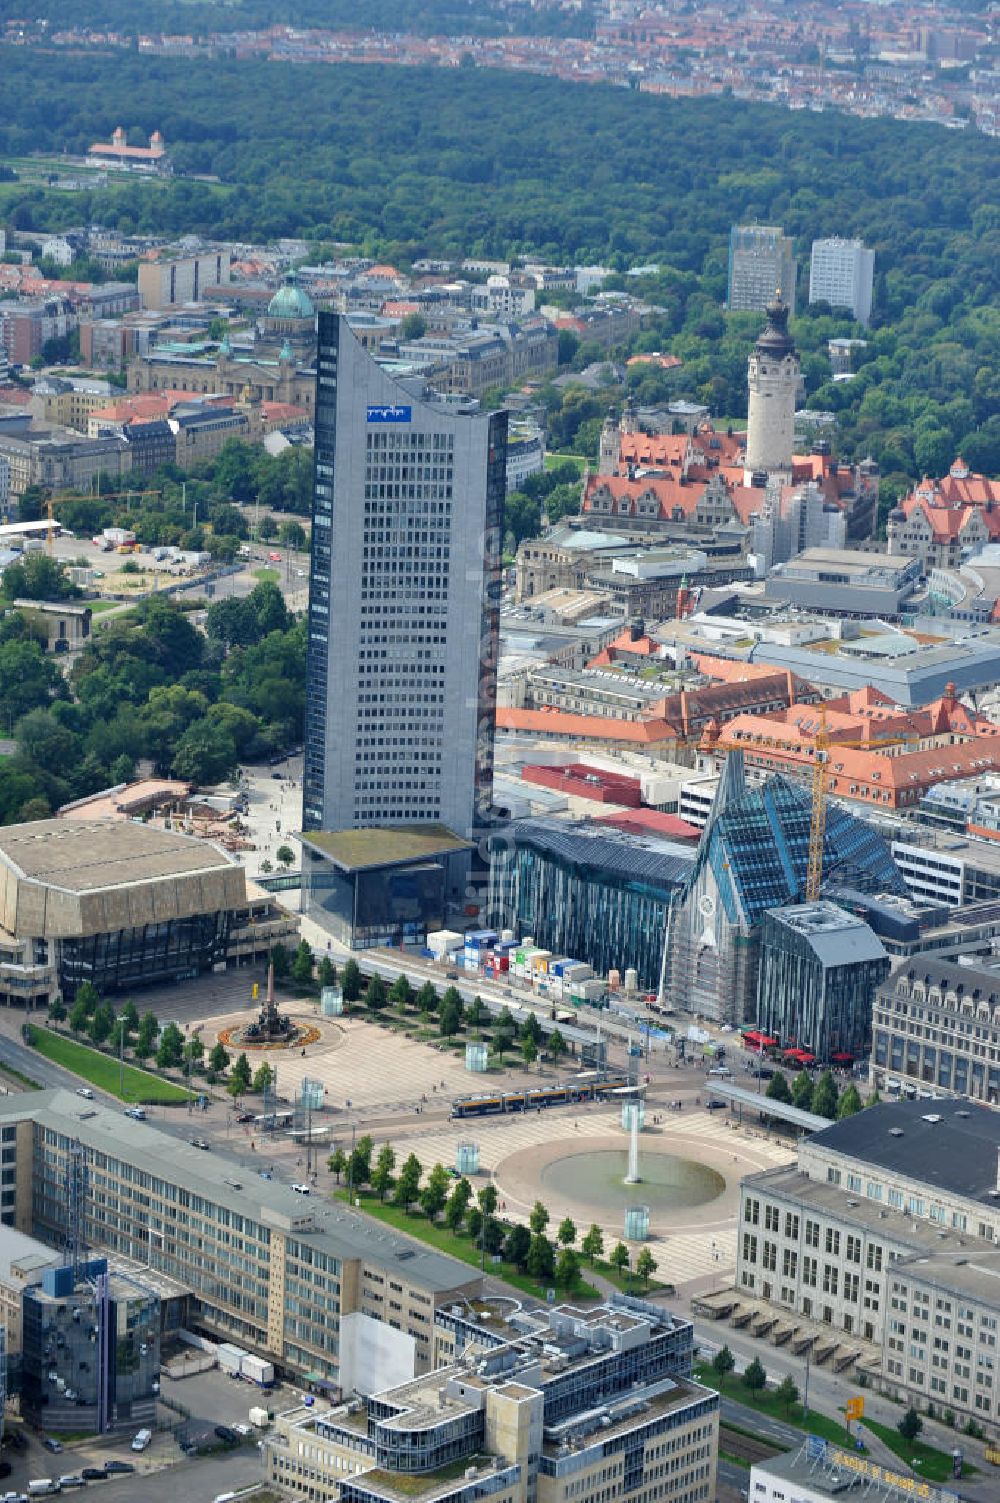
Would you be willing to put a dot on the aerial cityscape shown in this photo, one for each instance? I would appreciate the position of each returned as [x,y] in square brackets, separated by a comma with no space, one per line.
[500,751]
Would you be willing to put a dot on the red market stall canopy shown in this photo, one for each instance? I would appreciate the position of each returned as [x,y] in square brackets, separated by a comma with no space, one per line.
[755,1040]
[801,1056]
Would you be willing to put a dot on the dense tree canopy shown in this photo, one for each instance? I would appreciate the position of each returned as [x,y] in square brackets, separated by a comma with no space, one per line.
[424,161]
[150,685]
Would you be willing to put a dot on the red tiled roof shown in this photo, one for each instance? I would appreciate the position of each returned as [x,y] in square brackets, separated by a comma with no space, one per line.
[583,727]
[283,412]
[668,493]
[653,451]
[665,362]
[627,646]
[729,670]
[893,773]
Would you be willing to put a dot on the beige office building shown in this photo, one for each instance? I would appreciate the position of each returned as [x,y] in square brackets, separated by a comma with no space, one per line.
[268,1269]
[182,279]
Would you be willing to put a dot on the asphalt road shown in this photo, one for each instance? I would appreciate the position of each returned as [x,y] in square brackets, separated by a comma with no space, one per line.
[34,1066]
[190,1481]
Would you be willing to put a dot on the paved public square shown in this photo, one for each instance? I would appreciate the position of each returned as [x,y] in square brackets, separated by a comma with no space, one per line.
[401,1091]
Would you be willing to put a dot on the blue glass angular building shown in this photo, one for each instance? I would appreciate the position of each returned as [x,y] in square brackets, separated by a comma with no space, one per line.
[753,856]
[581,890]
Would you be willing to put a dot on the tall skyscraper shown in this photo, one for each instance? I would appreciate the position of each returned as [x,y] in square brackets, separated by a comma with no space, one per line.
[842,273]
[404,599]
[761,263]
[773,373]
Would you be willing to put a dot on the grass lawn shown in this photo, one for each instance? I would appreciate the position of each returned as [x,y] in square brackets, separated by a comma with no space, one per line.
[102,1070]
[438,1236]
[627,1282]
[767,1402]
[266,576]
[552,461]
[98,606]
[927,1461]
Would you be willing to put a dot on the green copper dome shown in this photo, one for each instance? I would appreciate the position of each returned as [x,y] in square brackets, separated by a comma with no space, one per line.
[290,301]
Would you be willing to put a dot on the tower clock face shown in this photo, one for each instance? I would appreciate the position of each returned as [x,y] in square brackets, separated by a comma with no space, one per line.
[706,904]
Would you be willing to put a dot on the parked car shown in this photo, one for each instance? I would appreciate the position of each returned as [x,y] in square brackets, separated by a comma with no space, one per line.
[244,1116]
[227,1434]
[85,1092]
[118,1468]
[51,1444]
[93,1473]
[715,1105]
[302,1189]
[200,1143]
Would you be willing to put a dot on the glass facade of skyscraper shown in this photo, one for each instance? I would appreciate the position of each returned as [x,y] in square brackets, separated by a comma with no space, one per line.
[404,599]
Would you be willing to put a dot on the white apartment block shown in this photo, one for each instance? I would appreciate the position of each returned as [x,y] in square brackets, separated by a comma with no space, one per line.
[842,273]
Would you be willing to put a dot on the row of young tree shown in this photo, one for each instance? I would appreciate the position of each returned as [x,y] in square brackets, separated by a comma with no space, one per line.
[754,1379]
[452,1014]
[820,1096]
[126,1033]
[442,1196]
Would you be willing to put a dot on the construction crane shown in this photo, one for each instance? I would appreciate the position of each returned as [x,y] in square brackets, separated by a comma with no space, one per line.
[817,823]
[824,746]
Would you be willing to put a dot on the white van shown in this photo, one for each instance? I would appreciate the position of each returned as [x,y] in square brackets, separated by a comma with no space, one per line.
[721,1072]
[141,1439]
[42,1487]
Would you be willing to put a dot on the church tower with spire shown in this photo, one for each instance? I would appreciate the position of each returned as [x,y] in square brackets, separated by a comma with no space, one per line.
[773,374]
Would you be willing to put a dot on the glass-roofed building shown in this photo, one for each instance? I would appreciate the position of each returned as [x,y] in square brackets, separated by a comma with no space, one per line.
[582,890]
[752,857]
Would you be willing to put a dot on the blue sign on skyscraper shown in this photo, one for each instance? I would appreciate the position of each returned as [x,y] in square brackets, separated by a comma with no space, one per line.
[389,414]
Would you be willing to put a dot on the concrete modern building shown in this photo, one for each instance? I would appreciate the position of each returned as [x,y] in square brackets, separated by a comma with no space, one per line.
[550,1404]
[842,273]
[383,886]
[841,582]
[122,905]
[879,1248]
[90,1350]
[23,1260]
[182,279]
[761,263]
[773,374]
[819,967]
[268,1269]
[404,600]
